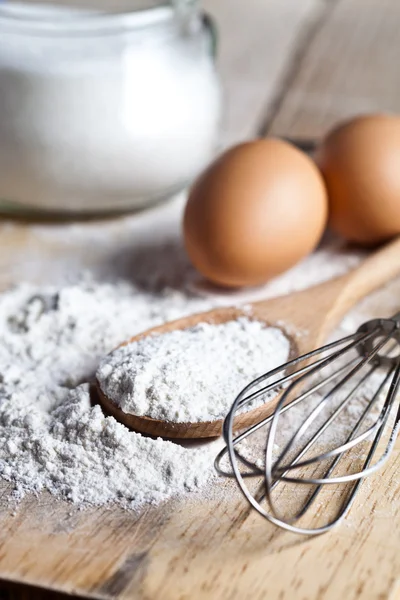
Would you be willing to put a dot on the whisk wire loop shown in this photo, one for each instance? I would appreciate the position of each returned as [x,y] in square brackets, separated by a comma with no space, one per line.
[373,358]
[314,414]
[244,398]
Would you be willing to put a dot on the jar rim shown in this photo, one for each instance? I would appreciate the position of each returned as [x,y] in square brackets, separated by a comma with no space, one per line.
[42,19]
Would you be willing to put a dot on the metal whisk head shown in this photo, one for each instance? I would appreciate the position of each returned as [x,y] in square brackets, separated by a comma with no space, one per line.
[335,422]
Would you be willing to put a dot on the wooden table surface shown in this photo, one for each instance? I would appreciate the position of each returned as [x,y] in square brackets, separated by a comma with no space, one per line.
[290,67]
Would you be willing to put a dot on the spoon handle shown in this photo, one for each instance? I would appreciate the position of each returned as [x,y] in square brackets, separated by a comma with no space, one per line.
[317,310]
[376,270]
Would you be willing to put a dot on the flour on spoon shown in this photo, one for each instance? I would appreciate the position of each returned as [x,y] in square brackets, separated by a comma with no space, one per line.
[191,375]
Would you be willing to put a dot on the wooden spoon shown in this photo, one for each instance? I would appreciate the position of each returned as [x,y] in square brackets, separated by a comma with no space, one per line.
[306,317]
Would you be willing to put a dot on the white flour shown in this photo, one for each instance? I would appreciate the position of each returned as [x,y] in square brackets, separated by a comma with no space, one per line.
[192,375]
[50,437]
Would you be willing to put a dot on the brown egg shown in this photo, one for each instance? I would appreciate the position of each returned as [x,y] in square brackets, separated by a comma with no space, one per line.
[360,162]
[255,212]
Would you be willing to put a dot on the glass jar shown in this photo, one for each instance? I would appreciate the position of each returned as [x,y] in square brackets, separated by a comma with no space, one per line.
[100,111]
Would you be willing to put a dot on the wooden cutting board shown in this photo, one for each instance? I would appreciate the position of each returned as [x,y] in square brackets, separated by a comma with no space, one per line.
[213,549]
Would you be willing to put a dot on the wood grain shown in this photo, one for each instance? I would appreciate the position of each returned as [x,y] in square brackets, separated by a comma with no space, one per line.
[216,548]
[349,65]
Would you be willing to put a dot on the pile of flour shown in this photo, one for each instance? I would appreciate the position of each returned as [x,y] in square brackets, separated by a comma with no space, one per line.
[51,437]
[191,375]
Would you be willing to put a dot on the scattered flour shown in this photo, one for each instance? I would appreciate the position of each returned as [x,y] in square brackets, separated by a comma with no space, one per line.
[51,437]
[52,338]
[191,375]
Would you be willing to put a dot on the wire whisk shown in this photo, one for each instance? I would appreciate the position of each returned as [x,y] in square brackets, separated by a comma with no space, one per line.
[342,416]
